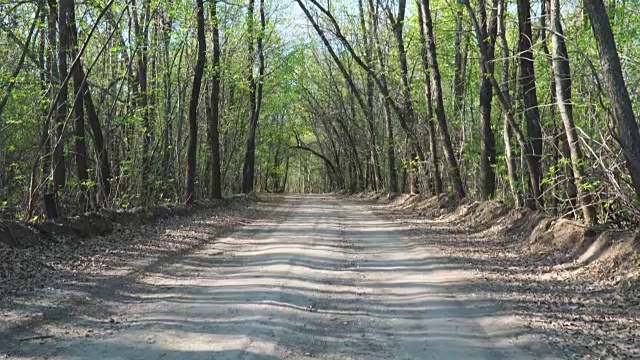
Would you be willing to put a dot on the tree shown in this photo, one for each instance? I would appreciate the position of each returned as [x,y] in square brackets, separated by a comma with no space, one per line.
[193,104]
[214,121]
[255,95]
[436,87]
[489,27]
[78,105]
[433,146]
[622,109]
[530,101]
[100,111]
[59,169]
[562,75]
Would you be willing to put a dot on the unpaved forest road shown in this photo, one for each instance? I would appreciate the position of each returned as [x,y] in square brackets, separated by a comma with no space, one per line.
[322,279]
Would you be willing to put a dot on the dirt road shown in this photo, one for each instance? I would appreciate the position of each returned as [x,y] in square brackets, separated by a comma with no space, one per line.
[321,279]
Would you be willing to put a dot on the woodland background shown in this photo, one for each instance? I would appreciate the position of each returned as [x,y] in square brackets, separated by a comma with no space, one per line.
[107,104]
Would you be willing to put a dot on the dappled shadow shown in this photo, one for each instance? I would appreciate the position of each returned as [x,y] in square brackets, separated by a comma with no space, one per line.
[326,282]
[577,316]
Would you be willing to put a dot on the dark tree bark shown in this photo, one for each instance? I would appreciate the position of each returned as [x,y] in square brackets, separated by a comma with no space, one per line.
[562,75]
[193,105]
[214,122]
[78,108]
[433,142]
[100,148]
[488,143]
[167,149]
[507,107]
[530,100]
[59,170]
[437,97]
[460,61]
[622,109]
[48,193]
[504,89]
[41,16]
[141,25]
[248,171]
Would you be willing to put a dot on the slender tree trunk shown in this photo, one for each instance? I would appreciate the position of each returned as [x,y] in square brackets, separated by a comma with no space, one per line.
[437,97]
[530,100]
[391,153]
[78,108]
[459,74]
[504,88]
[488,143]
[256,96]
[433,142]
[41,16]
[621,106]
[100,148]
[562,75]
[375,163]
[168,100]
[59,170]
[48,193]
[507,107]
[216,180]
[193,105]
[141,25]
[407,103]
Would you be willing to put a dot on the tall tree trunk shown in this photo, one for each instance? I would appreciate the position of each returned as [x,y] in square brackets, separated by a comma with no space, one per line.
[506,105]
[59,170]
[216,180]
[48,193]
[461,53]
[193,105]
[371,126]
[42,69]
[488,143]
[437,97]
[504,89]
[391,153]
[562,75]
[433,142]
[249,157]
[141,25]
[407,104]
[530,100]
[622,108]
[168,101]
[248,170]
[78,108]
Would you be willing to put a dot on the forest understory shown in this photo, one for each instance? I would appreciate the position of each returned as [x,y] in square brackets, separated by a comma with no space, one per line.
[576,286]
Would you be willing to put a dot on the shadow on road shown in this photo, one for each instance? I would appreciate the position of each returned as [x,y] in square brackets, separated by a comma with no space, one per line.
[312,279]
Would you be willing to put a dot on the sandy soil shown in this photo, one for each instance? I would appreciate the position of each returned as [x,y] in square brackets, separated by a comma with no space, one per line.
[318,278]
